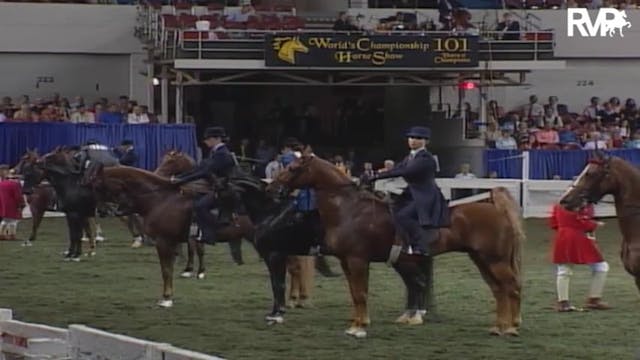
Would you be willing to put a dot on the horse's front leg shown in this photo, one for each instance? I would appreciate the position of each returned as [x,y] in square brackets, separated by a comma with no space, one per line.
[75,224]
[188,269]
[37,213]
[357,272]
[235,247]
[277,265]
[200,252]
[167,254]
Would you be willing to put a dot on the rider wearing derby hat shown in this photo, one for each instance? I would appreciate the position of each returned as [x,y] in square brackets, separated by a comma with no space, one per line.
[220,163]
[422,208]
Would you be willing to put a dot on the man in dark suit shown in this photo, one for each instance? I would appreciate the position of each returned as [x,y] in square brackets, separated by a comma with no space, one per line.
[508,28]
[422,208]
[220,163]
[126,153]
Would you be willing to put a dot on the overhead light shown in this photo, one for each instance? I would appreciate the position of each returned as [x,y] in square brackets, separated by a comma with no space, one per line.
[156,81]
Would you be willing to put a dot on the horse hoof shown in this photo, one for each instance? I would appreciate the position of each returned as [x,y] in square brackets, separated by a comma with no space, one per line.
[403,319]
[90,254]
[274,319]
[75,259]
[100,238]
[495,331]
[416,319]
[356,332]
[186,274]
[27,243]
[85,239]
[512,331]
[200,276]
[136,244]
[165,303]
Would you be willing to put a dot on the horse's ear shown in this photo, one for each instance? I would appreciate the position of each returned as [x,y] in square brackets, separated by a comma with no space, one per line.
[308,151]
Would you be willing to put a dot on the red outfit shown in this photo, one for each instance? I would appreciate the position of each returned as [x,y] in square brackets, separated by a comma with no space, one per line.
[11,200]
[571,244]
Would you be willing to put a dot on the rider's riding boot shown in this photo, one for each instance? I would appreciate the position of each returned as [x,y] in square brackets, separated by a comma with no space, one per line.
[423,246]
[322,266]
[206,223]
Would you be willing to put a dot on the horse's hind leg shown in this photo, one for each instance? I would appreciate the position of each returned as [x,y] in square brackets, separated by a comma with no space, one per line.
[37,213]
[510,292]
[188,269]
[294,270]
[277,265]
[503,318]
[200,251]
[75,224]
[235,247]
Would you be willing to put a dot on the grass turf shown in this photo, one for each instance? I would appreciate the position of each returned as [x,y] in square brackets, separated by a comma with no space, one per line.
[223,314]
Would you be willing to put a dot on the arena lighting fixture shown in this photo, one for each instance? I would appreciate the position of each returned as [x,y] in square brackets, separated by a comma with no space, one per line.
[156,81]
[467,85]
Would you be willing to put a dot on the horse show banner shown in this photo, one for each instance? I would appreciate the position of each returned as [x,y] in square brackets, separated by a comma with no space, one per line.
[376,51]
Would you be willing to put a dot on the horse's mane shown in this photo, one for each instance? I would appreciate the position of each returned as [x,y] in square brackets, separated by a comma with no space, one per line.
[361,194]
[634,170]
[130,173]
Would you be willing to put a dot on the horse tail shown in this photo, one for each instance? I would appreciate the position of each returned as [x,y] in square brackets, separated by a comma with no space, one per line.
[506,204]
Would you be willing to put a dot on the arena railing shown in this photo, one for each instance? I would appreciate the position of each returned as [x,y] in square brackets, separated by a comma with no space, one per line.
[23,340]
[249,44]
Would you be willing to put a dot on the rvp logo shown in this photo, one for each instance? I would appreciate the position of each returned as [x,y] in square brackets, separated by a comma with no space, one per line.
[607,22]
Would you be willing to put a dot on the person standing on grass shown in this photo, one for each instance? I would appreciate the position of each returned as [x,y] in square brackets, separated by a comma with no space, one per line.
[575,243]
[11,204]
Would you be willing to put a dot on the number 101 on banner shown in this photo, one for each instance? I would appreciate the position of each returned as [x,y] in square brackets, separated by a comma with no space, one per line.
[451,45]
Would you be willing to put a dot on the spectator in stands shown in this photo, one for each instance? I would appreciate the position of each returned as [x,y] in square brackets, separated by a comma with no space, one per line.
[594,141]
[137,116]
[553,105]
[617,141]
[523,135]
[533,112]
[145,110]
[624,129]
[634,143]
[242,15]
[126,153]
[492,134]
[462,24]
[493,175]
[78,101]
[112,116]
[81,115]
[3,116]
[615,105]
[50,113]
[546,137]
[343,23]
[338,161]
[388,165]
[465,172]
[367,172]
[594,109]
[508,28]
[506,141]
[630,111]
[554,120]
[24,114]
[568,137]
[494,112]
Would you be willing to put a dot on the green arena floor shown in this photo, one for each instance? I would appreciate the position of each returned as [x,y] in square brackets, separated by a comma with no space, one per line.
[223,314]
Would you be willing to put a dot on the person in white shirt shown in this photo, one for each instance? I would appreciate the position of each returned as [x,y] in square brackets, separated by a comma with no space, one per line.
[273,168]
[465,172]
[3,117]
[137,116]
[594,142]
[506,141]
[81,115]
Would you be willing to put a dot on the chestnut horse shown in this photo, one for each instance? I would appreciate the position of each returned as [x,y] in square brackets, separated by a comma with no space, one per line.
[360,230]
[605,175]
[166,211]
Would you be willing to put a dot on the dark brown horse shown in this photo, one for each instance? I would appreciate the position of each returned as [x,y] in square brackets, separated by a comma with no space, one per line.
[41,199]
[605,175]
[175,162]
[360,230]
[166,211]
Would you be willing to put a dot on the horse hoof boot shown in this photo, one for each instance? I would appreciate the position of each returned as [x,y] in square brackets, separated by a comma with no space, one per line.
[273,319]
[356,332]
[404,318]
[495,331]
[165,303]
[186,274]
[136,244]
[200,276]
[75,259]
[100,238]
[512,331]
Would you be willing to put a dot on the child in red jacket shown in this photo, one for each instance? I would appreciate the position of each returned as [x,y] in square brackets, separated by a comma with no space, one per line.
[11,204]
[574,243]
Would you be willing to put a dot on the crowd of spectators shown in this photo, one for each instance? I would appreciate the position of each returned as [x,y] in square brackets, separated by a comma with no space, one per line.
[600,125]
[59,109]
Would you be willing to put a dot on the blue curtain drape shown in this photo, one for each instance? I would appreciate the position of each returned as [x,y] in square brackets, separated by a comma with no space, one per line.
[545,164]
[506,163]
[150,140]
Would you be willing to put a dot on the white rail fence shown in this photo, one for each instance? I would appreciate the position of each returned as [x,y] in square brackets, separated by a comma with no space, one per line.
[21,340]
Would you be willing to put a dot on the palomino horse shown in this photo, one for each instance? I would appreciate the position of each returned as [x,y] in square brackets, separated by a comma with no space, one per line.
[605,175]
[78,201]
[359,230]
[166,211]
[175,162]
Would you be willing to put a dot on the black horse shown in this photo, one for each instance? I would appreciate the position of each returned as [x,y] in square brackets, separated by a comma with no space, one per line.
[76,200]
